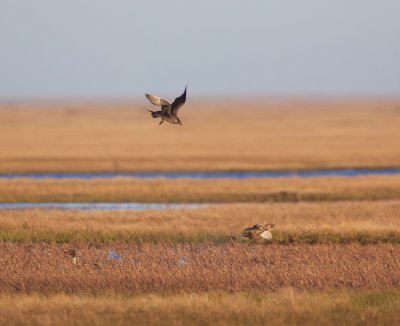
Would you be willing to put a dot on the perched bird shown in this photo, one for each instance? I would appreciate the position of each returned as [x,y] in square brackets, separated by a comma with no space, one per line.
[259,233]
[169,112]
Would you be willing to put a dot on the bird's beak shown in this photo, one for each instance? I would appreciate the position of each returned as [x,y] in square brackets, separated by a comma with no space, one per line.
[180,123]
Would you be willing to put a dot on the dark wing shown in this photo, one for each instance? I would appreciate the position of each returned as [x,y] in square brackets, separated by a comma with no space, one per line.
[248,231]
[179,101]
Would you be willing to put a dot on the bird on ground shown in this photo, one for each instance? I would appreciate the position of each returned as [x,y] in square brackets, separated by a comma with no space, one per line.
[72,254]
[259,233]
[169,112]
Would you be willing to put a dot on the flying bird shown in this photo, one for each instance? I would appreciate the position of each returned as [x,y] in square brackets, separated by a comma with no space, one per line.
[259,233]
[169,112]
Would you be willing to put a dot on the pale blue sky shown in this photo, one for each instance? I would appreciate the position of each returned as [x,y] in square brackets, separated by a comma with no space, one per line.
[123,48]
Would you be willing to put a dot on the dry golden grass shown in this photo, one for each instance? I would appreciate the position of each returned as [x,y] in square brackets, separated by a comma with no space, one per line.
[206,191]
[285,307]
[225,281]
[30,268]
[296,222]
[261,135]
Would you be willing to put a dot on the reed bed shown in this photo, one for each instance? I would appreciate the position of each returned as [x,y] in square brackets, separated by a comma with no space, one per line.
[338,222]
[201,191]
[284,307]
[241,135]
[29,268]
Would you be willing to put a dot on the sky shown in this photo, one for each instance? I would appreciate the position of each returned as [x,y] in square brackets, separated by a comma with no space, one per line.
[124,48]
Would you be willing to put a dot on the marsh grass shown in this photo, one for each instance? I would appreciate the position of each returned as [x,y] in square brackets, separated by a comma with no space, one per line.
[330,262]
[284,307]
[311,223]
[30,268]
[262,135]
[280,237]
[201,191]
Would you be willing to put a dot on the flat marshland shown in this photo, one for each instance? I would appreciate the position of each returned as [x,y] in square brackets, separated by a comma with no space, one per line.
[201,191]
[256,136]
[327,222]
[284,307]
[334,257]
[190,268]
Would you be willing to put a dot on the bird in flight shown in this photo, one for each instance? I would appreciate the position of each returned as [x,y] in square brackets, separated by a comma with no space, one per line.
[169,112]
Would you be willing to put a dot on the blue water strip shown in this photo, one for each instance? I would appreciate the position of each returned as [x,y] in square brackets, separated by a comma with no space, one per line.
[207,175]
[100,206]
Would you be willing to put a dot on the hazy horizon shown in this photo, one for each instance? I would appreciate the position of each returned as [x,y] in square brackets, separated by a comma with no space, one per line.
[98,49]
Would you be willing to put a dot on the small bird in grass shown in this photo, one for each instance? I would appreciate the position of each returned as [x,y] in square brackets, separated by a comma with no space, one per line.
[259,233]
[169,112]
[72,253]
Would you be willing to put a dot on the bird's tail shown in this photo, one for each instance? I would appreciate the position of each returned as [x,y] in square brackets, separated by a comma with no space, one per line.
[155,114]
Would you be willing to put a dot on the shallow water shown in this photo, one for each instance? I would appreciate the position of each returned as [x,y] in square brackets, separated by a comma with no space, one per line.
[100,206]
[207,175]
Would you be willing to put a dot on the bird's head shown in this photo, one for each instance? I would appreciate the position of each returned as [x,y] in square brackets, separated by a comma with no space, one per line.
[71,253]
[269,226]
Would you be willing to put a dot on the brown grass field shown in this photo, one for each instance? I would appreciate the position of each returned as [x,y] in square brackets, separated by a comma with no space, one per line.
[252,135]
[327,222]
[225,284]
[284,307]
[148,268]
[334,258]
[201,191]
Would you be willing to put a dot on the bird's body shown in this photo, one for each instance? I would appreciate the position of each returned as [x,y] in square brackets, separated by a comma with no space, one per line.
[72,253]
[259,233]
[170,119]
[169,112]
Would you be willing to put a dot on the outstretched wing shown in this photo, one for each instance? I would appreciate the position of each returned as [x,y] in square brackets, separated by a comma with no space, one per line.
[179,101]
[156,100]
[165,106]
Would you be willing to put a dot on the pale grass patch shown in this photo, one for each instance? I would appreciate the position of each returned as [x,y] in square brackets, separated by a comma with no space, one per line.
[267,135]
[204,191]
[286,306]
[224,222]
